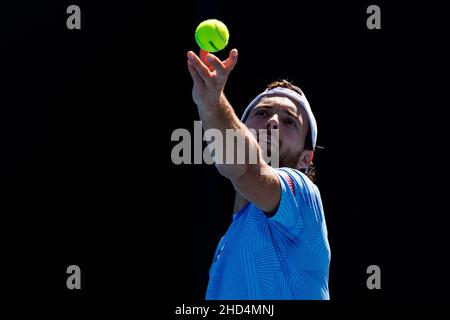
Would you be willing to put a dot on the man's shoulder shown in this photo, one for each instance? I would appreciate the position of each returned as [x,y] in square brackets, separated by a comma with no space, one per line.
[298,176]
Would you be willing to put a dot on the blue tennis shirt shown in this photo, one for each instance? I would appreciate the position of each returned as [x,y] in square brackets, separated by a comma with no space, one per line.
[285,256]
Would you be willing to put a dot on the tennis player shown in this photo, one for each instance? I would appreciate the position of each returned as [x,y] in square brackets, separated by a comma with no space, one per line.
[276,246]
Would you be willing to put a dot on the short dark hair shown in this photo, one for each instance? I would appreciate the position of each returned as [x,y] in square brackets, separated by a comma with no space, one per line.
[283,83]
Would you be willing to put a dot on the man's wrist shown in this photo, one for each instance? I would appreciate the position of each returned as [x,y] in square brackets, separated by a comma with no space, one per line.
[212,105]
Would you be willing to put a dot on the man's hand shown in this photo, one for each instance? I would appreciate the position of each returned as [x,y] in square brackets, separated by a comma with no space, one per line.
[209,75]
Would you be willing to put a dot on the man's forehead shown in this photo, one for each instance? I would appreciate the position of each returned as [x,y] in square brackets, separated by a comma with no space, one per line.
[281,102]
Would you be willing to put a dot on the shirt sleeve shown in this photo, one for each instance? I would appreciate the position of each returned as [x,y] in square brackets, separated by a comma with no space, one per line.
[297,199]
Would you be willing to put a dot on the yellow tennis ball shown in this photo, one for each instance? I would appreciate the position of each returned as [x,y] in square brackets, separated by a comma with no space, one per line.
[212,35]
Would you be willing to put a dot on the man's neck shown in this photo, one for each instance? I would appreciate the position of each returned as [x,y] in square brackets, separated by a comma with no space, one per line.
[239,202]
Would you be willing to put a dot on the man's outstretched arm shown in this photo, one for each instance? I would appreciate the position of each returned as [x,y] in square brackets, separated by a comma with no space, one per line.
[215,111]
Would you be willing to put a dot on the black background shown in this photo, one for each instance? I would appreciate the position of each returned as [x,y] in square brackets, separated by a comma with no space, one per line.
[86,123]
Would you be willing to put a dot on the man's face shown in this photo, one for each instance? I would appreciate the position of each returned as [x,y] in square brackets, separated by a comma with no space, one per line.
[282,113]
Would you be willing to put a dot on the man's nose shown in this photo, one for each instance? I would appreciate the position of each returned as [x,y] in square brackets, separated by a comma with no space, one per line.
[273,122]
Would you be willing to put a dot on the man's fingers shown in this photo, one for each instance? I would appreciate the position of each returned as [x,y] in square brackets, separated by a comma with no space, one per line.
[217,69]
[200,67]
[231,61]
[218,65]
[195,75]
[202,56]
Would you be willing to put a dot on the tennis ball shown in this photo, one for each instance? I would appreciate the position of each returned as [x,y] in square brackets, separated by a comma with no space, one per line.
[212,35]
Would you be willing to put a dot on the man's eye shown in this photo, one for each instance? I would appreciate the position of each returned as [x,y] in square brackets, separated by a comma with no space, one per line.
[261,113]
[290,122]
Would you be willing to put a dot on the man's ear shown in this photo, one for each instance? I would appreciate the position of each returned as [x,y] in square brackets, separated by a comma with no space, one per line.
[306,158]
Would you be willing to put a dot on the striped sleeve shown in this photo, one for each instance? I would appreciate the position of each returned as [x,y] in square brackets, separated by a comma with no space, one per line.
[295,197]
